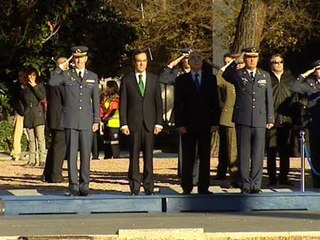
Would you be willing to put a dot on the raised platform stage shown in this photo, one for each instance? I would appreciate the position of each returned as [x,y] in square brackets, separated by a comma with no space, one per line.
[123,203]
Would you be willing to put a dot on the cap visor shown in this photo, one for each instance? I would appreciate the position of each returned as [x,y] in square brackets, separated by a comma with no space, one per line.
[252,54]
[79,54]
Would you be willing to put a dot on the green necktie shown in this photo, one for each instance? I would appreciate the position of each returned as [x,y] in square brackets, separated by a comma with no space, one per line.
[141,85]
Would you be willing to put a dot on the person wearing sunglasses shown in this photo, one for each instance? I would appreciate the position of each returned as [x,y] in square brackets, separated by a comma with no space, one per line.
[279,137]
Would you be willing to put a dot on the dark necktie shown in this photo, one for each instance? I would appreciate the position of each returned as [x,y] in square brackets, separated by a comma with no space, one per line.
[196,80]
[141,85]
[80,74]
[252,76]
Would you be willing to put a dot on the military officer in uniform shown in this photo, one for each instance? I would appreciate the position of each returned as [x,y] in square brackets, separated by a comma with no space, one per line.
[253,113]
[228,158]
[80,117]
[308,83]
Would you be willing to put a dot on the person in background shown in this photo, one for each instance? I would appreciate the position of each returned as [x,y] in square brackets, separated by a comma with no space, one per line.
[196,111]
[252,115]
[33,93]
[111,120]
[80,117]
[168,77]
[18,115]
[141,119]
[57,150]
[307,83]
[279,136]
[175,68]
[228,158]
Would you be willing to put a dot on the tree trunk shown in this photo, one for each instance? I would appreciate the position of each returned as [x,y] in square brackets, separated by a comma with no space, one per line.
[250,25]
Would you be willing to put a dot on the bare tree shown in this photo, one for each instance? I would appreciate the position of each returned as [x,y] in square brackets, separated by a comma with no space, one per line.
[251,22]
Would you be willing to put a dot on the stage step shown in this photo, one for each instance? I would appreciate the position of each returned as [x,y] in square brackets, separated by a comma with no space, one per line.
[171,203]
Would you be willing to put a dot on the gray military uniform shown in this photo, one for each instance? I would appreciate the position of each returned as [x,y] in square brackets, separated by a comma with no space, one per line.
[80,111]
[253,109]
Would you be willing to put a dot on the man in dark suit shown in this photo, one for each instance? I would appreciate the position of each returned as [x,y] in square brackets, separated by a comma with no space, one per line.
[196,110]
[57,151]
[140,119]
[252,114]
[80,117]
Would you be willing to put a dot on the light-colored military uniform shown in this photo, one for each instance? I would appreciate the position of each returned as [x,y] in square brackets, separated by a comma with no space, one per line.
[228,141]
[80,111]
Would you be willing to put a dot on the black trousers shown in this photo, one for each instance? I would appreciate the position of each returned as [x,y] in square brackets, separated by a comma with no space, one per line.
[78,139]
[55,156]
[141,141]
[251,143]
[189,142]
[111,142]
[278,142]
[314,141]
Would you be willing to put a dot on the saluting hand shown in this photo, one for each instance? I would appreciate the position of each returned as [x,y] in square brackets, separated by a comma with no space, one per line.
[65,65]
[307,73]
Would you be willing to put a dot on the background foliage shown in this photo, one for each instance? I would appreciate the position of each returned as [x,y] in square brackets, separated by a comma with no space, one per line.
[6,132]
[36,32]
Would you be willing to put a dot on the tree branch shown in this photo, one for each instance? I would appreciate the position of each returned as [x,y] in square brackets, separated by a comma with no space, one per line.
[52,33]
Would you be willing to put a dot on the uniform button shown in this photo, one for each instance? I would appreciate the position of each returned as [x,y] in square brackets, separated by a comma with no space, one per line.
[80,108]
[253,92]
[81,86]
[253,106]
[254,99]
[80,100]
[81,94]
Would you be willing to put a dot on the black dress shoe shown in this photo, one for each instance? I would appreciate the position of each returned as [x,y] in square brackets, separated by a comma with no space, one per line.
[149,193]
[186,193]
[58,180]
[72,193]
[84,192]
[134,193]
[245,191]
[286,182]
[219,177]
[235,184]
[272,182]
[255,191]
[44,178]
[207,192]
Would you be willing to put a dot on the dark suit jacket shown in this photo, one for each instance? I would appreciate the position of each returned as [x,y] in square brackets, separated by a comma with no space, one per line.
[33,111]
[135,110]
[81,104]
[55,96]
[197,110]
[254,100]
[311,88]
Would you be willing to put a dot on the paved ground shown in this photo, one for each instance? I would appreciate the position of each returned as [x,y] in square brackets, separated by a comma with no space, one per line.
[224,225]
